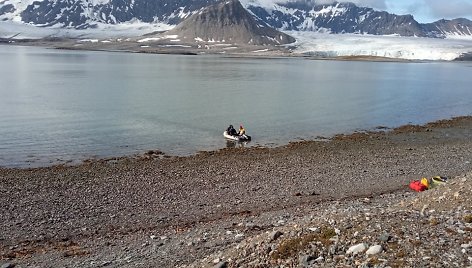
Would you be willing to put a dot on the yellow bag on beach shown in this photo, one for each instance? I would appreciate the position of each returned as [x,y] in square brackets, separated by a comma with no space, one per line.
[425,182]
[438,180]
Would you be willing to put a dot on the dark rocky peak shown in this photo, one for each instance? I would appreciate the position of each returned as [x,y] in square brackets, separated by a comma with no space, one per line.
[228,22]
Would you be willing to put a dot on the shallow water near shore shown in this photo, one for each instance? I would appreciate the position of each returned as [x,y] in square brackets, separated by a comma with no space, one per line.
[57,106]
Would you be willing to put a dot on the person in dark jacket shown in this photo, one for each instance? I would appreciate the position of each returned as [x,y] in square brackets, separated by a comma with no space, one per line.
[231,131]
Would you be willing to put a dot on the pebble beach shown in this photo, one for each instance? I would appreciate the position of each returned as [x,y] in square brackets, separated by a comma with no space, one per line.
[343,202]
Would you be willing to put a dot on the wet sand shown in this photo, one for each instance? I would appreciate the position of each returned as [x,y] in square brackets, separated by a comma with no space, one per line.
[77,208]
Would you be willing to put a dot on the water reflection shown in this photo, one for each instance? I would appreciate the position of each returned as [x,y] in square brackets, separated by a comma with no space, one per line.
[236,144]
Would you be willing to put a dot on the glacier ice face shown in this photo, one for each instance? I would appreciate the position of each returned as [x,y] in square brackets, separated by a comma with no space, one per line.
[412,48]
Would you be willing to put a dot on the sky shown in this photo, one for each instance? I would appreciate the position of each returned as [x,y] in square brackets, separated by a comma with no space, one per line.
[423,10]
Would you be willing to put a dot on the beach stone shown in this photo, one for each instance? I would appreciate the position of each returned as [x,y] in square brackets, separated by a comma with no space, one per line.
[222,264]
[7,265]
[384,237]
[250,225]
[106,263]
[306,260]
[373,250]
[274,235]
[319,259]
[332,249]
[281,222]
[357,249]
[239,236]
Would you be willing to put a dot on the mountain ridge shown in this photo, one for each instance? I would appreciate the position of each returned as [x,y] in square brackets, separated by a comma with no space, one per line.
[298,15]
[350,18]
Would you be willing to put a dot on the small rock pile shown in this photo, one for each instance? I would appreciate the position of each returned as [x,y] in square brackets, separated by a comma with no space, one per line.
[427,229]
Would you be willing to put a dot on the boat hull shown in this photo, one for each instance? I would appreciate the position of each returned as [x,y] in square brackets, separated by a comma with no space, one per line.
[236,137]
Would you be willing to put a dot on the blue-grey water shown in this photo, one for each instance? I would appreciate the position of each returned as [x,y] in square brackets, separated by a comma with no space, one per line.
[58,105]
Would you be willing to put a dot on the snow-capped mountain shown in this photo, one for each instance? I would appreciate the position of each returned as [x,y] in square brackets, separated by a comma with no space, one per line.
[228,22]
[349,18]
[82,14]
[302,15]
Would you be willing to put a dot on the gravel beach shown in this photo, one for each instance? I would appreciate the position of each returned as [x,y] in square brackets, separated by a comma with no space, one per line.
[237,207]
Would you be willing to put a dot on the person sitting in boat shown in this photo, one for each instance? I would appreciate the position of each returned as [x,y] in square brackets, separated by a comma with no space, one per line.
[231,131]
[242,131]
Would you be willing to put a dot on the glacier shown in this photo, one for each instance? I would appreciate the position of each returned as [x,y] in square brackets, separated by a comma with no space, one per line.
[409,48]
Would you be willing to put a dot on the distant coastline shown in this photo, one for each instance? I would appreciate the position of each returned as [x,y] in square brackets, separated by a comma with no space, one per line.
[241,51]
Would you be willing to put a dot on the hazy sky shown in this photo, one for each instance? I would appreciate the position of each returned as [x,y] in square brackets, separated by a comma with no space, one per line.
[422,10]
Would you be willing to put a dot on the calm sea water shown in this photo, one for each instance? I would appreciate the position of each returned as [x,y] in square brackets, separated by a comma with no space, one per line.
[59,105]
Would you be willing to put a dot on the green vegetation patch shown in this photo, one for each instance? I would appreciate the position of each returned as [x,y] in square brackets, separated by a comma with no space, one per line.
[293,246]
[468,218]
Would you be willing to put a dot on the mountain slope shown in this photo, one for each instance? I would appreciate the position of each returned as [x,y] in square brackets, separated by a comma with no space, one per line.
[456,27]
[81,14]
[228,22]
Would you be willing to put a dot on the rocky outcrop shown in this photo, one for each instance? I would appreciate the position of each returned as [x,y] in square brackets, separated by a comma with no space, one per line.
[6,9]
[228,22]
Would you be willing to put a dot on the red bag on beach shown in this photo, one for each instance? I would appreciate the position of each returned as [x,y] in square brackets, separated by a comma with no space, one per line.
[417,186]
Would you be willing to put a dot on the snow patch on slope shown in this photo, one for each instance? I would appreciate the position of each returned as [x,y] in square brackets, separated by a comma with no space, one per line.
[412,48]
[266,4]
[98,2]
[9,29]
[329,10]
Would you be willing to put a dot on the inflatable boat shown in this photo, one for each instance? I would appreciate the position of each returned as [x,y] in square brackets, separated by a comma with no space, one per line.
[236,137]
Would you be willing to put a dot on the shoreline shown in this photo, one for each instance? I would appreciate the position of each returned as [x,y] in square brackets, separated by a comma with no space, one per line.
[244,51]
[156,153]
